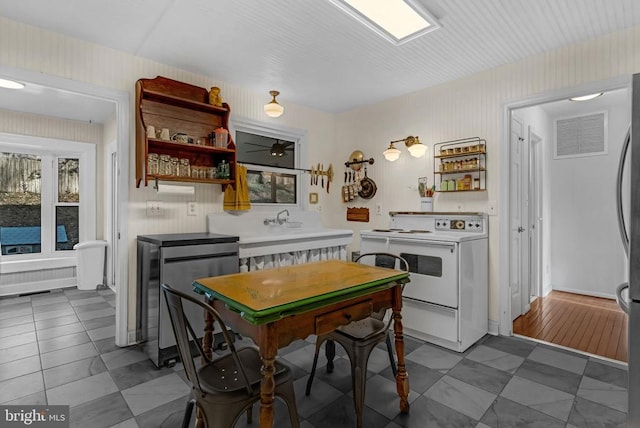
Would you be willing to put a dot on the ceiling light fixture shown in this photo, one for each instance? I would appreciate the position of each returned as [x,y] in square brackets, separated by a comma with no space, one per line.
[398,21]
[415,147]
[586,97]
[272,108]
[10,84]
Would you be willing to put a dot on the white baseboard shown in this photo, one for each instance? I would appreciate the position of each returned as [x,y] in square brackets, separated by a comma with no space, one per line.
[586,293]
[37,286]
[493,327]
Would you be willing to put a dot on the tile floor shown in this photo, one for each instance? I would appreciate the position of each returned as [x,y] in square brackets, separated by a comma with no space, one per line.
[58,348]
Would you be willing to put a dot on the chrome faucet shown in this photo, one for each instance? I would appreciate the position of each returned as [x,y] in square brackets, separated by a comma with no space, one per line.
[282,221]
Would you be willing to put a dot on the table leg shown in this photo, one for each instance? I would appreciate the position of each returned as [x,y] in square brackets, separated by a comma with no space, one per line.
[268,349]
[402,378]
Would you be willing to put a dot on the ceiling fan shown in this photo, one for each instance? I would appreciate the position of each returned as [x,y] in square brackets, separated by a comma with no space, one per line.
[278,149]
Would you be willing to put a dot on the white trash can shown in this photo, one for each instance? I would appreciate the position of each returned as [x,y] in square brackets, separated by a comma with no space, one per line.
[91,264]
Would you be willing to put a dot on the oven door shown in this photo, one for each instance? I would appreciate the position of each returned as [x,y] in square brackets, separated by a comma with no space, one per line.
[434,269]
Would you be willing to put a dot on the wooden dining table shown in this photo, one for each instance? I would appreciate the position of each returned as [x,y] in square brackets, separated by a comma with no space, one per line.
[277,306]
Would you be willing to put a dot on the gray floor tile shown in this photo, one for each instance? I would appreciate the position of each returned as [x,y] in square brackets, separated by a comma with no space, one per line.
[18,352]
[381,394]
[550,376]
[62,342]
[130,423]
[169,415]
[20,367]
[16,340]
[434,357]
[603,393]
[587,413]
[102,332]
[123,357]
[547,400]
[62,330]
[87,301]
[157,392]
[607,373]
[37,399]
[10,322]
[105,346]
[16,329]
[49,300]
[505,413]
[479,375]
[99,322]
[22,310]
[511,345]
[421,378]
[134,374]
[70,372]
[83,390]
[56,322]
[91,307]
[53,314]
[322,394]
[68,355]
[52,307]
[495,358]
[425,412]
[341,413]
[558,358]
[103,412]
[75,294]
[12,301]
[22,386]
[461,396]
[100,313]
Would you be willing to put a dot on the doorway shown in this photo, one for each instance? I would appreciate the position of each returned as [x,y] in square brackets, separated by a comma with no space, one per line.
[568,204]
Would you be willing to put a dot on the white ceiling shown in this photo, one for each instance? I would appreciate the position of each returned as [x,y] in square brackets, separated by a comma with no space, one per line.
[315,54]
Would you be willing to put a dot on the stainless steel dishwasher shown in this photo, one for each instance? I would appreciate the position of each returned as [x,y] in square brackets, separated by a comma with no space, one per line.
[176,260]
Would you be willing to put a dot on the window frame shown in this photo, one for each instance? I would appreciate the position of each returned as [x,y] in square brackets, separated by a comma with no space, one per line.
[298,136]
[50,149]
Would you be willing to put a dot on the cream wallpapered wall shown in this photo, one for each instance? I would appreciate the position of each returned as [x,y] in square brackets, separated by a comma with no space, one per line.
[471,107]
[34,49]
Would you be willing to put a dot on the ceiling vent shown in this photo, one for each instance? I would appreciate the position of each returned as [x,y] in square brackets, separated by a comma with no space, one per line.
[581,136]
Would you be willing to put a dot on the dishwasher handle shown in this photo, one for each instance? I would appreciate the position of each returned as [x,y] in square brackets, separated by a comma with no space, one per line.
[622,302]
[169,260]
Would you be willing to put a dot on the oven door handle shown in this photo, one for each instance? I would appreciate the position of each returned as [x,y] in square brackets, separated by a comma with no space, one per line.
[421,243]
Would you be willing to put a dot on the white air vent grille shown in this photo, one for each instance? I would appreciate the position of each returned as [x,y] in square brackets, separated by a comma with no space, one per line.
[581,136]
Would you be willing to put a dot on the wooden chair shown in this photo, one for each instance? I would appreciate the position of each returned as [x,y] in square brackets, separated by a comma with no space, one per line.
[228,385]
[360,337]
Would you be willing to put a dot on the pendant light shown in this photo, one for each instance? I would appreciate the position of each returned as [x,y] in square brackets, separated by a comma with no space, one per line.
[272,108]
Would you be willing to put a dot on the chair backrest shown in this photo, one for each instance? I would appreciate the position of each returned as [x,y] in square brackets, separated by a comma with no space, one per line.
[184,332]
[386,260]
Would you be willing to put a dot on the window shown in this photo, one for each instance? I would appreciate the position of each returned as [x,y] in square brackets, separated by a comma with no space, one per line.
[272,157]
[42,196]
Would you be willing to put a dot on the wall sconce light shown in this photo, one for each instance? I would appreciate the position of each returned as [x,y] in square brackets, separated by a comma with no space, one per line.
[272,108]
[415,147]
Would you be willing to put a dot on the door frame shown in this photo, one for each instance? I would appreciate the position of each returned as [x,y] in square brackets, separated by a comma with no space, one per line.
[535,213]
[505,325]
[122,108]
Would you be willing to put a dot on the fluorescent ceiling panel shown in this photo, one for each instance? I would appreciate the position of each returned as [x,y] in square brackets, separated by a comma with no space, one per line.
[396,20]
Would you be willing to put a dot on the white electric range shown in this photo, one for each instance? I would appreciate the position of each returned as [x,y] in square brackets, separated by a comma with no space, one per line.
[446,302]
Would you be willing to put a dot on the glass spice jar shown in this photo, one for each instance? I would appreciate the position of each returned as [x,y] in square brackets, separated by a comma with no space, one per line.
[174,167]
[184,170]
[153,164]
[164,165]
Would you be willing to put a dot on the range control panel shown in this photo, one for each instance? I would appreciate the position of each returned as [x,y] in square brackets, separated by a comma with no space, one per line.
[459,224]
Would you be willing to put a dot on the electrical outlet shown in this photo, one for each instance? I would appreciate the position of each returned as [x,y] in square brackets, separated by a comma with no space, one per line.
[191,208]
[154,208]
[492,208]
[460,208]
[378,209]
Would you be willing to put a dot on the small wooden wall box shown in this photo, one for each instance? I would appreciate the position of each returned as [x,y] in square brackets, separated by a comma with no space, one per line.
[358,214]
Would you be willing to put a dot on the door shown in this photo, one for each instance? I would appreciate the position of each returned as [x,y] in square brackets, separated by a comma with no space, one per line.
[519,248]
[535,215]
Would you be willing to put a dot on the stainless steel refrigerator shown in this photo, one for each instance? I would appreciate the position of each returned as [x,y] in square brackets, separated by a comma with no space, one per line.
[628,294]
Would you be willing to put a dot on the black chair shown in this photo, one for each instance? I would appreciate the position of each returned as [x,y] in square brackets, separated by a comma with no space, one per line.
[226,386]
[360,337]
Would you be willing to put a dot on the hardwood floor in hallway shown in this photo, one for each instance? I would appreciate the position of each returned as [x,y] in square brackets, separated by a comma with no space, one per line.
[590,324]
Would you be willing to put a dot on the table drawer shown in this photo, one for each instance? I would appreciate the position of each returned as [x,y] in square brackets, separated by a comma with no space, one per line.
[329,321]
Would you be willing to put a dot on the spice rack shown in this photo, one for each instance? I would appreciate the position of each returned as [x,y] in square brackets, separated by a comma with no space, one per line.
[460,165]
[181,108]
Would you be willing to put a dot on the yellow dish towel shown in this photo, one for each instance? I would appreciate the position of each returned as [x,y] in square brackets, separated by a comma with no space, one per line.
[238,199]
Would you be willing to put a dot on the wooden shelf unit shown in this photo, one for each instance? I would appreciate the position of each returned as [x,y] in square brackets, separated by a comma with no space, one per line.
[460,158]
[180,107]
